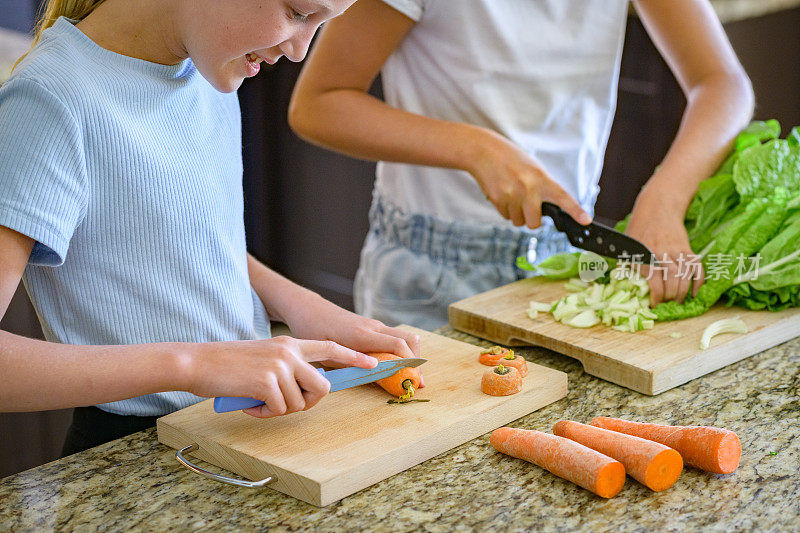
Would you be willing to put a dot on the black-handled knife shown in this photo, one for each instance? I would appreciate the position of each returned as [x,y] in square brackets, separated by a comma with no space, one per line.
[596,237]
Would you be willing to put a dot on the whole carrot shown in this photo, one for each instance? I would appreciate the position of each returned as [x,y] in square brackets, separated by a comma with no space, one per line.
[653,464]
[708,448]
[402,383]
[563,457]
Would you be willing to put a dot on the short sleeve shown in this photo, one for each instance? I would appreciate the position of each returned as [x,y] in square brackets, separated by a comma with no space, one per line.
[411,8]
[43,191]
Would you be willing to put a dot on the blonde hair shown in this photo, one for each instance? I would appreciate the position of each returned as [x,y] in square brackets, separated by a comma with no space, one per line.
[52,10]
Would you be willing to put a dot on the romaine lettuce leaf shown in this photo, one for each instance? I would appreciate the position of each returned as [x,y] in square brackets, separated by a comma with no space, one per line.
[749,207]
[763,167]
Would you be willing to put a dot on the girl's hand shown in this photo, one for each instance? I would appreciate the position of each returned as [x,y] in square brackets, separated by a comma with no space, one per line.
[664,234]
[320,319]
[275,371]
[516,184]
[312,317]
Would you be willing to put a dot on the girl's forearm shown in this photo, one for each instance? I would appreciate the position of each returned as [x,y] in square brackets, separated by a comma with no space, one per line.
[39,375]
[715,113]
[283,299]
[353,122]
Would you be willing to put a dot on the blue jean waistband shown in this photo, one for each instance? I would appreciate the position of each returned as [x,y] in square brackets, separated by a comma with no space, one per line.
[456,241]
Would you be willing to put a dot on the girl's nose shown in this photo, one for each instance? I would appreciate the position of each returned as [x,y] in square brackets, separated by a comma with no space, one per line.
[296,48]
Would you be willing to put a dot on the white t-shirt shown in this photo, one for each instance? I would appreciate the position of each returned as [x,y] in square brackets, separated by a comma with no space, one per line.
[541,72]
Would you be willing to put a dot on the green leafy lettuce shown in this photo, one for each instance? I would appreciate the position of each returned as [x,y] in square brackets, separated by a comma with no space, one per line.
[749,209]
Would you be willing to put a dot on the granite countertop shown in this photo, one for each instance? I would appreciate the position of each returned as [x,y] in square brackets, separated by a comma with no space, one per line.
[135,482]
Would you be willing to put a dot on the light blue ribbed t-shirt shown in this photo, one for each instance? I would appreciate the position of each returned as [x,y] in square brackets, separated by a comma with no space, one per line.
[128,175]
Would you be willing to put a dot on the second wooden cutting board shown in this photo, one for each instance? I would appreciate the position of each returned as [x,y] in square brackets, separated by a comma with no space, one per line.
[353,438]
[650,361]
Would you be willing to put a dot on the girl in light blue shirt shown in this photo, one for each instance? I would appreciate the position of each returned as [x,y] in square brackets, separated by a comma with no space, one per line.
[121,211]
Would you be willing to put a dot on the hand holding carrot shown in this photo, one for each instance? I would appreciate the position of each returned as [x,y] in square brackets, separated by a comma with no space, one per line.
[311,317]
[319,319]
[403,383]
[275,371]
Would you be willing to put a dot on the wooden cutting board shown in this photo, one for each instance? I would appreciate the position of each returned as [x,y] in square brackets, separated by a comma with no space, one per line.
[649,361]
[353,438]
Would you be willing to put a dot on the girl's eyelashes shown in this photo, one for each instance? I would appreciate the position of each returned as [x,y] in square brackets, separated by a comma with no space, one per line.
[296,16]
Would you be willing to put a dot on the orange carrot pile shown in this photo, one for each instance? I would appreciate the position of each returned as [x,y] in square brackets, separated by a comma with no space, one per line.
[403,383]
[708,448]
[491,356]
[655,465]
[563,457]
[501,381]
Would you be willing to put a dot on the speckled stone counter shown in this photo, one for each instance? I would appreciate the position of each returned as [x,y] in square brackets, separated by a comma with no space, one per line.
[136,482]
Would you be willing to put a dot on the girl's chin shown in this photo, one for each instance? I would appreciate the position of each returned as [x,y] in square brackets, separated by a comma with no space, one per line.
[230,78]
[225,79]
[226,84]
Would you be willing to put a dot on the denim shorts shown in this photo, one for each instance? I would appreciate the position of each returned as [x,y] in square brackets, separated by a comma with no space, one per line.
[414,266]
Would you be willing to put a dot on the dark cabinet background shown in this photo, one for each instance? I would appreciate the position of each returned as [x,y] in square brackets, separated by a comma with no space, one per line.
[306,208]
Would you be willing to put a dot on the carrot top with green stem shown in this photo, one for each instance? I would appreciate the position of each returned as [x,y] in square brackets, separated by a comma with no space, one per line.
[491,356]
[501,381]
[403,383]
[516,361]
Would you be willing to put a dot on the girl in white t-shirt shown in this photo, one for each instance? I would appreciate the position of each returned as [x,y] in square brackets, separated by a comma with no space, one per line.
[493,106]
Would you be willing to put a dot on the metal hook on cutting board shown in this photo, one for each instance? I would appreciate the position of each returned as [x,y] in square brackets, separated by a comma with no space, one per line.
[223,479]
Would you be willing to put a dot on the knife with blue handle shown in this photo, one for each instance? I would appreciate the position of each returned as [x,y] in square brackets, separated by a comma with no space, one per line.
[342,378]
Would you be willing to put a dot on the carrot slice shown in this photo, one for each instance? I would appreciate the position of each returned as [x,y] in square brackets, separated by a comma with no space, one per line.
[501,381]
[653,464]
[515,361]
[563,457]
[708,448]
[491,356]
[402,383]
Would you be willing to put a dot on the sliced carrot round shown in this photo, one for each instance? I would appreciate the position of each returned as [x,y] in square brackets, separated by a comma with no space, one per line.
[516,361]
[501,381]
[491,356]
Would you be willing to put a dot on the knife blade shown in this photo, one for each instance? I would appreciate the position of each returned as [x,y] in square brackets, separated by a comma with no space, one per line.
[596,237]
[342,378]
